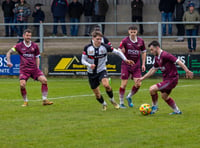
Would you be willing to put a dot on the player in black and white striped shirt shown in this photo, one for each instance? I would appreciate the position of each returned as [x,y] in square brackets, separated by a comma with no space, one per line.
[95,57]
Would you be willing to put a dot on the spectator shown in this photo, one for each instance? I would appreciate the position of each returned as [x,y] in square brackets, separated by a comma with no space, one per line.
[196,3]
[39,17]
[178,16]
[15,28]
[137,6]
[75,12]
[166,8]
[191,29]
[104,39]
[88,12]
[59,8]
[100,10]
[22,12]
[196,6]
[7,7]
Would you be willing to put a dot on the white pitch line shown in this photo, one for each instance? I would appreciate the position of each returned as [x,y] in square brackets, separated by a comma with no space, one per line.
[79,96]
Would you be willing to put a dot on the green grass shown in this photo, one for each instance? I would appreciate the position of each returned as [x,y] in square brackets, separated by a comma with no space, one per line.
[76,120]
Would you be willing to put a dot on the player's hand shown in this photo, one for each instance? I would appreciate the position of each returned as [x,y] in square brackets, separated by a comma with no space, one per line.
[130,62]
[92,66]
[189,74]
[143,68]
[139,80]
[9,64]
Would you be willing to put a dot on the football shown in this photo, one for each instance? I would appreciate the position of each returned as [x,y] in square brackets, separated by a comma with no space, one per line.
[145,109]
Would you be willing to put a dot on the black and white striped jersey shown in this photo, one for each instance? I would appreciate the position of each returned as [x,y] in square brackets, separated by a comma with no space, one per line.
[98,56]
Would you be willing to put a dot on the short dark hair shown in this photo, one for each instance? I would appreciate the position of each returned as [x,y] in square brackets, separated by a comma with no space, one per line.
[27,30]
[132,27]
[154,43]
[97,33]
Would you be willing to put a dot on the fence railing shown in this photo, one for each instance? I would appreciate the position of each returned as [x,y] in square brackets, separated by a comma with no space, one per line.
[114,35]
[48,2]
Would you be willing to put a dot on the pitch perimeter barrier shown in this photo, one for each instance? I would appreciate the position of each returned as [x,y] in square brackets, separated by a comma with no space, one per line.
[5,70]
[114,34]
[71,64]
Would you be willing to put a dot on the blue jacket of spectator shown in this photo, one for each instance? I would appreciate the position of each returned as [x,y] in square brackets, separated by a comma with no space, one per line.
[59,8]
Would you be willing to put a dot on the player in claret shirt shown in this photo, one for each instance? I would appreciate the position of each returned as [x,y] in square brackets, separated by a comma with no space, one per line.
[166,63]
[132,46]
[29,66]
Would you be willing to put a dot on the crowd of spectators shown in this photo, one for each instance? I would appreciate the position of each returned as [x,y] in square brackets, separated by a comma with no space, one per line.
[181,10]
[18,11]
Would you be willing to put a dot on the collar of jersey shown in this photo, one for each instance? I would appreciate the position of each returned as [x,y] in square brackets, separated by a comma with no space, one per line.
[27,45]
[132,40]
[160,54]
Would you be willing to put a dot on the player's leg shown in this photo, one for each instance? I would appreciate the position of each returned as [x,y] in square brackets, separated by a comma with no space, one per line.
[154,96]
[136,74]
[94,85]
[23,92]
[124,81]
[105,83]
[122,90]
[44,89]
[133,91]
[99,98]
[170,102]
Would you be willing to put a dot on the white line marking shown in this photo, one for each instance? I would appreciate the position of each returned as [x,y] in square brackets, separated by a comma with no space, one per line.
[78,96]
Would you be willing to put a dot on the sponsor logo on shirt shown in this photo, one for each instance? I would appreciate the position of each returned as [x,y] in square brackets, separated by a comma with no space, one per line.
[134,52]
[28,55]
[91,52]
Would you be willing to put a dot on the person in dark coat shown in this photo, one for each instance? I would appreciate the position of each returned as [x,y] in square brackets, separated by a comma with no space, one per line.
[166,8]
[75,12]
[88,12]
[100,10]
[178,16]
[7,7]
[39,17]
[137,11]
[59,8]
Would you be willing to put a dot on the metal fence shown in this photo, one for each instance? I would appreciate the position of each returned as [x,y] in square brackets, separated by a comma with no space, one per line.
[114,35]
[120,2]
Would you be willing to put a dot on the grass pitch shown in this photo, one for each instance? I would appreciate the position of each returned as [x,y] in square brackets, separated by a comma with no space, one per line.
[76,120]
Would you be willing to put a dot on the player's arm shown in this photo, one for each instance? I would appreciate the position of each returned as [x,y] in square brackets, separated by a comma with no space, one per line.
[144,54]
[37,61]
[8,54]
[149,73]
[122,50]
[189,74]
[84,61]
[122,56]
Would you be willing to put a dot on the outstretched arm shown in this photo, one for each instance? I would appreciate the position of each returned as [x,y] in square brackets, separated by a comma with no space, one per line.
[8,54]
[189,74]
[149,73]
[122,56]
